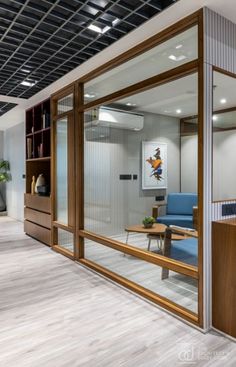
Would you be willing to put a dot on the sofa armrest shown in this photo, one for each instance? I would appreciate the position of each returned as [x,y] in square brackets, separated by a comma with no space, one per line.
[156,209]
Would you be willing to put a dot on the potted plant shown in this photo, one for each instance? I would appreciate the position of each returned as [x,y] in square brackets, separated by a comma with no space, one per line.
[4,177]
[148,222]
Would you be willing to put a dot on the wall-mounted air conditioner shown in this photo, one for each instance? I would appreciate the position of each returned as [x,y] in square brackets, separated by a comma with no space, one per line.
[118,119]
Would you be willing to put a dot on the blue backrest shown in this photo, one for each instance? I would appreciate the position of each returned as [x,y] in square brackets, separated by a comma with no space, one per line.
[181,203]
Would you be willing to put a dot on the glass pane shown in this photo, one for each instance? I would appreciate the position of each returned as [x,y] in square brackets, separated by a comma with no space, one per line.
[224,137]
[66,240]
[61,171]
[178,288]
[65,104]
[168,55]
[139,153]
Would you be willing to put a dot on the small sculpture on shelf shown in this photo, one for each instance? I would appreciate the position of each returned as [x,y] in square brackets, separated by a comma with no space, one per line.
[33,185]
[40,182]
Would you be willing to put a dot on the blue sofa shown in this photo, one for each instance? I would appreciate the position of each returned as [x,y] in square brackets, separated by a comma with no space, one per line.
[179,211]
[185,250]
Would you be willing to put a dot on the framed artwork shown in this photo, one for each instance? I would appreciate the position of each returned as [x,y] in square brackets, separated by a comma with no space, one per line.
[154,165]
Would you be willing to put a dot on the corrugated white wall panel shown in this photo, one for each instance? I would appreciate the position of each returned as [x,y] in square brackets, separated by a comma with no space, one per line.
[220,41]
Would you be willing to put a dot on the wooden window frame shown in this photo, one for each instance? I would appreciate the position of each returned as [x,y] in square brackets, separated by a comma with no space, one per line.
[79,108]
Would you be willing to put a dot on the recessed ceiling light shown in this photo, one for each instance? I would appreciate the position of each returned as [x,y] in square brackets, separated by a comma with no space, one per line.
[27,83]
[130,104]
[26,70]
[178,47]
[214,117]
[178,110]
[90,95]
[223,101]
[115,21]
[177,58]
[97,29]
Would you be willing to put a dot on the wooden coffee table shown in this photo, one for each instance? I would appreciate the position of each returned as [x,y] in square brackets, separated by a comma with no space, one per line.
[157,231]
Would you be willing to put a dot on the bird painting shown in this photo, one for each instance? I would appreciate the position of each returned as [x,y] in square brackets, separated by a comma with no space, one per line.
[156,164]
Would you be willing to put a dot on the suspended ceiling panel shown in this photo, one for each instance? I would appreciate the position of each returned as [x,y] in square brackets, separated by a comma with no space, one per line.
[5,107]
[40,41]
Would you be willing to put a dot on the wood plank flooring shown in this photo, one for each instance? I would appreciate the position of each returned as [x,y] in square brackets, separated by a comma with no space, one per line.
[55,313]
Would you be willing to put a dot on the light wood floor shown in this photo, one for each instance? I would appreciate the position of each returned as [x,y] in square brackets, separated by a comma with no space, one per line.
[55,313]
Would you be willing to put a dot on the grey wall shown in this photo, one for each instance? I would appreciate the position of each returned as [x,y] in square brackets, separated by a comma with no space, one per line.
[14,152]
[156,128]
[120,203]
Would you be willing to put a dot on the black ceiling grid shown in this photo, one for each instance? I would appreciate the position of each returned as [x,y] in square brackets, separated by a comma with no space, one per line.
[5,107]
[40,41]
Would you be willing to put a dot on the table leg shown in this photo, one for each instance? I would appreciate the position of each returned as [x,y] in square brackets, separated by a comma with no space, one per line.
[149,243]
[126,242]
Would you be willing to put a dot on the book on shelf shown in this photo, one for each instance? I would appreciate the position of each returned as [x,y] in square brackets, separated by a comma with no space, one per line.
[29,148]
[40,150]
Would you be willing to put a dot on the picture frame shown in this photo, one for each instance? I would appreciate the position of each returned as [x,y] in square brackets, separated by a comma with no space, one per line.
[154,165]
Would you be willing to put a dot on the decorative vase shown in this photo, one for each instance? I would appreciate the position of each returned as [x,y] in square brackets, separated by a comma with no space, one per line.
[40,182]
[33,184]
[148,225]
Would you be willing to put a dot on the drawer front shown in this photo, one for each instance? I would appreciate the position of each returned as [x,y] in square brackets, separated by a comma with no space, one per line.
[37,217]
[40,233]
[41,203]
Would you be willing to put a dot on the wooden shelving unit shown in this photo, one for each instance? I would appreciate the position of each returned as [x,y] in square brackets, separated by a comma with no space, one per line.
[37,212]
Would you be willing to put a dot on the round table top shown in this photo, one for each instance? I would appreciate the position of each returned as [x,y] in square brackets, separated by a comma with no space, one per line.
[157,229]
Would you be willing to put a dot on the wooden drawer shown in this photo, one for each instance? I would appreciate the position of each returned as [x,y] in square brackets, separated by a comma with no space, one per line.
[41,203]
[37,217]
[40,233]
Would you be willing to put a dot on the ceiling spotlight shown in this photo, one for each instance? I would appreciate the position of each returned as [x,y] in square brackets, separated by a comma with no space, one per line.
[223,101]
[90,95]
[214,117]
[178,47]
[26,70]
[178,111]
[177,58]
[130,104]
[28,83]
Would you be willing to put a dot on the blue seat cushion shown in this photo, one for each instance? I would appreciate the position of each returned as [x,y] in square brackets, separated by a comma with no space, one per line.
[176,220]
[185,251]
[181,203]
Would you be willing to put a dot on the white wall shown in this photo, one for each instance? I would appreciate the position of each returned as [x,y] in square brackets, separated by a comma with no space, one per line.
[14,152]
[224,165]
[2,185]
[1,144]
[189,163]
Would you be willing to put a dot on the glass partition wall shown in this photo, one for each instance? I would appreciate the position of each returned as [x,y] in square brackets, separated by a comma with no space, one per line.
[63,174]
[136,156]
[224,137]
